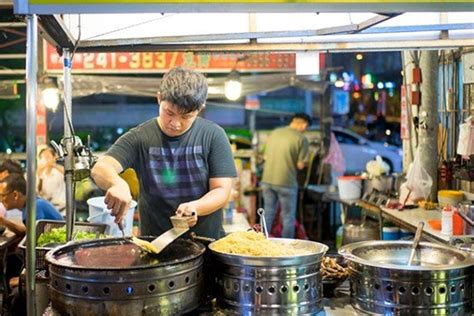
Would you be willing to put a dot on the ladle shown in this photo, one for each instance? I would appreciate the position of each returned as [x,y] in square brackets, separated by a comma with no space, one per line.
[416,241]
[263,223]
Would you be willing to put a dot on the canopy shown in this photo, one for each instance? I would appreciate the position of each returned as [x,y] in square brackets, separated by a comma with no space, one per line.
[303,31]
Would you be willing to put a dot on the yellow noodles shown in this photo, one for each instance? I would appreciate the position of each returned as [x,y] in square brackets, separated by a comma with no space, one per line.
[255,244]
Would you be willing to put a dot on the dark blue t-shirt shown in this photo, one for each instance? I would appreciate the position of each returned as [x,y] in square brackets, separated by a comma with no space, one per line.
[175,170]
[44,210]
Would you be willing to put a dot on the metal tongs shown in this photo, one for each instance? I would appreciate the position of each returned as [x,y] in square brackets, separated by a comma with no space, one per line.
[263,223]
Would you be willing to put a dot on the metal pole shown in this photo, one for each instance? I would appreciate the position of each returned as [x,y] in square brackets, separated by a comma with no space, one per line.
[408,144]
[31,92]
[255,144]
[428,130]
[68,145]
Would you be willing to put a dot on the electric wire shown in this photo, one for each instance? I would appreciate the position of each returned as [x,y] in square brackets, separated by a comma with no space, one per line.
[130,26]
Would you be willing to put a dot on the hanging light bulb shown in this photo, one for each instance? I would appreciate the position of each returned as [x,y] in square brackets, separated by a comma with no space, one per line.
[233,86]
[50,98]
[50,94]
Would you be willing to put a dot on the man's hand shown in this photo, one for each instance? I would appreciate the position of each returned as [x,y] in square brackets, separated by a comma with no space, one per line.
[189,211]
[118,200]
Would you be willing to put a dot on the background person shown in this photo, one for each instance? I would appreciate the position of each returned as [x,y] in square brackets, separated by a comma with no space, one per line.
[50,184]
[286,152]
[13,196]
[6,168]
[184,163]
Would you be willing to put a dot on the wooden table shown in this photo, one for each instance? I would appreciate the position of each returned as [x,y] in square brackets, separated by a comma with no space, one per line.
[409,220]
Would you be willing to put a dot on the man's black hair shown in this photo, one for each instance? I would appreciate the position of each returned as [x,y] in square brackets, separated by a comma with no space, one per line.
[302,116]
[11,166]
[184,88]
[15,182]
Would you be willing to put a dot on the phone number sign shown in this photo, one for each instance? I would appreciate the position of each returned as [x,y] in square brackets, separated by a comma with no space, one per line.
[159,62]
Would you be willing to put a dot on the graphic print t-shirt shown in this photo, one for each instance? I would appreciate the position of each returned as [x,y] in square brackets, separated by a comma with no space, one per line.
[174,170]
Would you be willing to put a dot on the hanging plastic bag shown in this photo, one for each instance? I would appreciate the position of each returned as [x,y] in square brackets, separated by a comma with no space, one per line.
[335,157]
[418,184]
[466,138]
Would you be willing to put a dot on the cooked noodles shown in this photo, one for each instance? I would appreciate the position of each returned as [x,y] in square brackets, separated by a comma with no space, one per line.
[255,244]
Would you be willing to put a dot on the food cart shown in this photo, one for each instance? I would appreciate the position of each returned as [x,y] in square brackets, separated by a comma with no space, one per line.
[361,36]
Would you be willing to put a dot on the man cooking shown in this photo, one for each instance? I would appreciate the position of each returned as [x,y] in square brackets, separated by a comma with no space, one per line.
[184,163]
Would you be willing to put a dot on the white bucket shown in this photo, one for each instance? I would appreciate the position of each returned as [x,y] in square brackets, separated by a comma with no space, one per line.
[98,213]
[350,187]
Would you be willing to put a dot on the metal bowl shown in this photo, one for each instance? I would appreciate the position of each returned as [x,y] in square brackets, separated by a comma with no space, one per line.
[395,254]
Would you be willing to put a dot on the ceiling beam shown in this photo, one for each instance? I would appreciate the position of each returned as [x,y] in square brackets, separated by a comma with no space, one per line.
[132,44]
[55,32]
[330,47]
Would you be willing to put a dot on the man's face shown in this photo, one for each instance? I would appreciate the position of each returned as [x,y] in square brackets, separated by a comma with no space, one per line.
[302,126]
[47,158]
[172,122]
[7,197]
[4,174]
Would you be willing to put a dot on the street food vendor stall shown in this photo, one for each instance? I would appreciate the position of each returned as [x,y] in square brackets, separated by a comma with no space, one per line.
[296,277]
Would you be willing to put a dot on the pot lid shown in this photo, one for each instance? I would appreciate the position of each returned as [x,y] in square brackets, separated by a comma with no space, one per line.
[121,254]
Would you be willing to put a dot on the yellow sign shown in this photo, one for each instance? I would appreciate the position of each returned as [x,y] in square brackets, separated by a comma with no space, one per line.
[140,2]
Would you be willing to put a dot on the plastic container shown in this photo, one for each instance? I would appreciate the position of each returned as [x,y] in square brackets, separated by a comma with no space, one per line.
[391,233]
[458,223]
[449,197]
[350,187]
[447,221]
[43,226]
[405,234]
[98,213]
[228,213]
[339,233]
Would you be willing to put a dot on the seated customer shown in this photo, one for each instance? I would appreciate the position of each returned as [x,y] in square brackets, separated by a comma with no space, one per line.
[13,195]
[8,167]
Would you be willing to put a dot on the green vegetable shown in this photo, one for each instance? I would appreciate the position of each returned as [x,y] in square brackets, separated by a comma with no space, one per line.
[58,236]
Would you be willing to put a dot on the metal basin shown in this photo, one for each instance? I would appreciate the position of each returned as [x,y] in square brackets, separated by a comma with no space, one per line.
[247,285]
[112,277]
[438,283]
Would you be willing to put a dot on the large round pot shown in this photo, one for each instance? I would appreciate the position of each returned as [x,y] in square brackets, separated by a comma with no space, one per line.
[440,283]
[248,285]
[114,277]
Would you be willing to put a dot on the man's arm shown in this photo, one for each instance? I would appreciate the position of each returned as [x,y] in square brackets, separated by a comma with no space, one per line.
[106,175]
[216,198]
[17,227]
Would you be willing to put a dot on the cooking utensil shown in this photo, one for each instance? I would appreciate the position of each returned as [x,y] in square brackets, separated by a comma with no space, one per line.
[170,283]
[250,285]
[98,215]
[120,226]
[383,284]
[263,222]
[180,226]
[416,241]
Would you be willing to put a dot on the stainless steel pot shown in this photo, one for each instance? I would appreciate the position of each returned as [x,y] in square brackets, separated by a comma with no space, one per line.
[438,283]
[113,277]
[247,285]
[384,183]
[354,232]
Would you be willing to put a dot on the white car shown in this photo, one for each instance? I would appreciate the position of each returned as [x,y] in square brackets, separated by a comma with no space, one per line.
[358,150]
